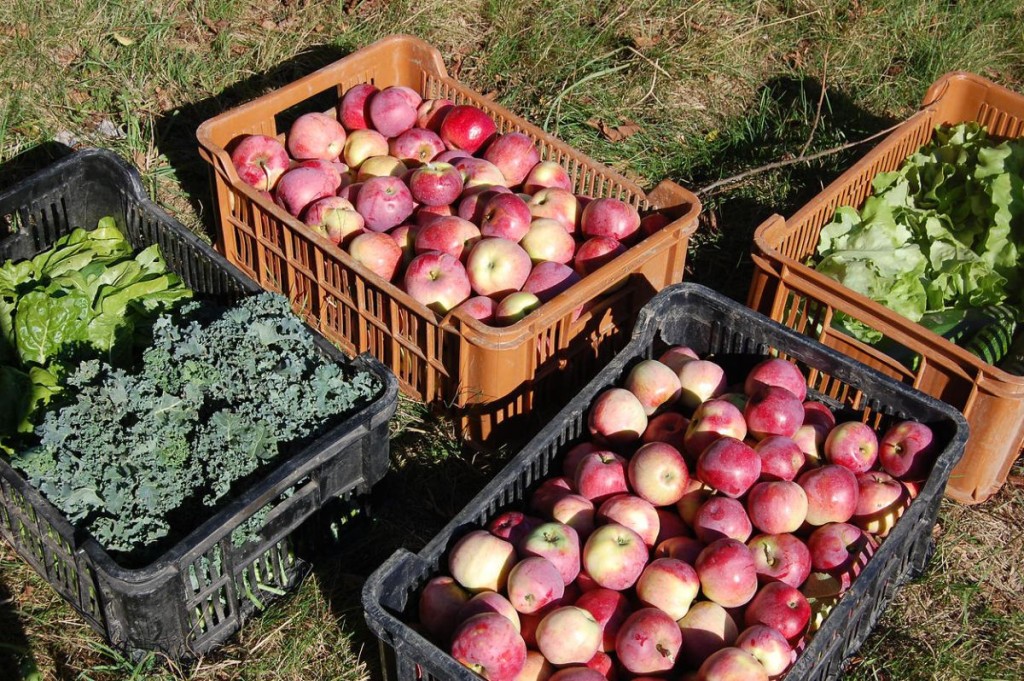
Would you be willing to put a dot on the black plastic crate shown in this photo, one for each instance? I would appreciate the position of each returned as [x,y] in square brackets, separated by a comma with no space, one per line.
[201,590]
[692,315]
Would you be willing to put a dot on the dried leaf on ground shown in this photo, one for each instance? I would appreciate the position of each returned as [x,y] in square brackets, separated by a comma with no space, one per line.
[796,57]
[615,133]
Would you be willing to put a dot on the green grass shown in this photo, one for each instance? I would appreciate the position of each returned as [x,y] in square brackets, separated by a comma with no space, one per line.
[716,88]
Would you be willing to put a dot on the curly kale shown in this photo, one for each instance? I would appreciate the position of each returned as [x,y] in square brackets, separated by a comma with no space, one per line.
[216,400]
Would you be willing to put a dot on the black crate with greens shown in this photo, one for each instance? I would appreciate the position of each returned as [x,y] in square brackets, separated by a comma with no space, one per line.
[167,507]
[939,242]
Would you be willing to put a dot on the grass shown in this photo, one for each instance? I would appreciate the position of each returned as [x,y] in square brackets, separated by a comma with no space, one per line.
[715,88]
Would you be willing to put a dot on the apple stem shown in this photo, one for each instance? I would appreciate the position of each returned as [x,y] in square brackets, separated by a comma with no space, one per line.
[664,651]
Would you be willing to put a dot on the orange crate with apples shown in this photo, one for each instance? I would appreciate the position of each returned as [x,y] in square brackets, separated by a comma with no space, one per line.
[494,377]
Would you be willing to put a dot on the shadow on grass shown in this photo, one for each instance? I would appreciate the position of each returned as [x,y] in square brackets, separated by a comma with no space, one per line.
[31,161]
[777,130]
[176,129]
[16,659]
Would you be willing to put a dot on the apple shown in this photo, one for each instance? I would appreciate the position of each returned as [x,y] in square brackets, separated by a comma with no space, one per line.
[350,192]
[817,413]
[810,438]
[334,170]
[654,384]
[381,166]
[363,144]
[610,609]
[568,635]
[658,473]
[489,601]
[424,214]
[513,526]
[547,240]
[654,222]
[392,112]
[732,664]
[496,266]
[315,135]
[781,457]
[555,203]
[299,187]
[720,517]
[713,419]
[603,663]
[466,128]
[701,380]
[415,146]
[546,174]
[671,525]
[353,109]
[908,450]
[431,112]
[533,583]
[556,542]
[515,154]
[669,584]
[729,466]
[768,646]
[632,512]
[437,280]
[334,218]
[685,549]
[777,507]
[617,417]
[595,253]
[548,279]
[831,494]
[448,234]
[852,445]
[572,458]
[479,561]
[668,427]
[839,548]
[610,218]
[782,607]
[780,558]
[435,184]
[377,252]
[548,492]
[694,496]
[772,410]
[489,645]
[480,308]
[260,161]
[706,628]
[727,573]
[477,172]
[440,601]
[821,586]
[578,674]
[614,556]
[536,668]
[384,202]
[577,512]
[405,237]
[648,642]
[506,216]
[472,202]
[777,372]
[881,500]
[676,356]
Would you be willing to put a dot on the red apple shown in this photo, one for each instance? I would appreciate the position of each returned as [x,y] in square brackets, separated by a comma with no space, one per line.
[316,135]
[489,601]
[384,202]
[632,512]
[479,561]
[299,187]
[676,356]
[772,410]
[595,253]
[496,266]
[392,111]
[781,458]
[654,384]
[548,279]
[578,674]
[908,450]
[693,498]
[568,635]
[648,642]
[260,161]
[489,645]
[557,204]
[701,380]
[603,664]
[780,557]
[546,174]
[477,172]
[437,280]
[685,549]
[721,517]
[435,184]
[706,629]
[881,500]
[810,438]
[334,218]
[769,647]
[777,372]
[839,548]
[729,466]
[658,473]
[610,218]
[617,417]
[654,222]
[424,214]
[405,237]
[670,585]
[777,507]
[381,166]
[533,583]
[513,526]
[671,525]
[572,458]
[727,573]
[817,413]
[466,128]
[431,112]
[439,605]
[480,308]
[732,664]
[852,445]
[547,240]
[536,668]
[353,109]
[669,427]
[515,154]
[548,492]
[610,609]
[506,216]
[451,235]
[376,252]
[832,493]
[577,512]
[782,607]
[713,419]
[614,556]
[363,144]
[556,542]
[416,147]
[334,170]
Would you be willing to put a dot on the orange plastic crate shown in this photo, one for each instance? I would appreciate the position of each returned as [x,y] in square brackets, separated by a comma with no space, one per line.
[789,291]
[493,377]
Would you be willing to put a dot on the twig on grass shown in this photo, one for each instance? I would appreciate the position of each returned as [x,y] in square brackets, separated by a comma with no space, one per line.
[802,158]
[821,100]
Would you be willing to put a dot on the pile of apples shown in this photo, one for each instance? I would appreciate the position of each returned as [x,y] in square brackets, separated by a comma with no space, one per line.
[704,532]
[428,195]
